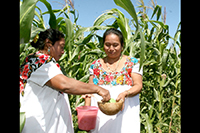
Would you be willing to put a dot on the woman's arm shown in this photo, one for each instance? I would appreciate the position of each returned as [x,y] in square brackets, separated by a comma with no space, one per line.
[71,86]
[136,89]
[137,85]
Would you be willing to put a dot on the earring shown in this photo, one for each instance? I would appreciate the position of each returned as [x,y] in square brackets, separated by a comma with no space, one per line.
[49,50]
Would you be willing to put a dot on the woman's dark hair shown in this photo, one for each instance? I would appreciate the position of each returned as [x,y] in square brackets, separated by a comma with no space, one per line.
[52,34]
[116,32]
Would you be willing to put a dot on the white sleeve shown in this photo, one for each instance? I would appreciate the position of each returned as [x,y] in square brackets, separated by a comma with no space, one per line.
[135,69]
[91,71]
[45,73]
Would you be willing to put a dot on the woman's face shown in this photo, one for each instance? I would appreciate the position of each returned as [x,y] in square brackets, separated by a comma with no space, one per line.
[112,46]
[57,50]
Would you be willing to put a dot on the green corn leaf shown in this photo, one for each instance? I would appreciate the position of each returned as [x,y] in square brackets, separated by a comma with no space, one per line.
[27,9]
[102,18]
[128,6]
[34,31]
[164,59]
[142,52]
[148,124]
[159,13]
[52,20]
[85,78]
[22,120]
[158,10]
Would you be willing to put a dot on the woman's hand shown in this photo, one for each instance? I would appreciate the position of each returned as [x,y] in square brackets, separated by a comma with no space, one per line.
[87,98]
[121,96]
[105,94]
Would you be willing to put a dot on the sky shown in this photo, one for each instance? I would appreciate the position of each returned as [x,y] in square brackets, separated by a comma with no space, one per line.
[89,10]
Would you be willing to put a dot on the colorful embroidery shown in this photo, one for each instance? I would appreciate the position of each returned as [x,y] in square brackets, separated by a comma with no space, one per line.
[31,63]
[101,77]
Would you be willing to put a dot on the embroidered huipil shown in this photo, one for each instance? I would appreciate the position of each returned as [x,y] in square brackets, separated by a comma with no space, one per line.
[101,77]
[128,120]
[47,110]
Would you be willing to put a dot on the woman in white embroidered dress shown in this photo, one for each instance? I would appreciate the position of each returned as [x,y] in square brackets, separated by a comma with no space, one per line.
[121,76]
[44,88]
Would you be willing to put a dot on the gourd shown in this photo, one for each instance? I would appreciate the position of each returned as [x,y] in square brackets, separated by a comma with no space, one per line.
[110,108]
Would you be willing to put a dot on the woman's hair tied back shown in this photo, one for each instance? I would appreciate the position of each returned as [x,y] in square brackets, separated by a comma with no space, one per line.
[52,34]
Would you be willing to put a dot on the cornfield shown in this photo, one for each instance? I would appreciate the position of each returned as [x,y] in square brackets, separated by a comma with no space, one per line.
[146,38]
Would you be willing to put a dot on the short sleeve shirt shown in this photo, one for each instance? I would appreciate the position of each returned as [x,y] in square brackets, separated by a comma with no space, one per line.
[46,109]
[123,77]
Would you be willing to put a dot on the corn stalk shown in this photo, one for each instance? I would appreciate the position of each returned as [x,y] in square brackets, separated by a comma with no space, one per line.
[148,40]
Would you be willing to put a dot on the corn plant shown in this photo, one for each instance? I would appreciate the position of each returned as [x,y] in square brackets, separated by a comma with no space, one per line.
[160,98]
[145,38]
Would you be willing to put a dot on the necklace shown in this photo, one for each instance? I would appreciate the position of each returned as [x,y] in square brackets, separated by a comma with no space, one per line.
[112,71]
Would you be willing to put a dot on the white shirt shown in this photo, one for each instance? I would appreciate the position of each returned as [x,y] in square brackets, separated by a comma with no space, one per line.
[46,109]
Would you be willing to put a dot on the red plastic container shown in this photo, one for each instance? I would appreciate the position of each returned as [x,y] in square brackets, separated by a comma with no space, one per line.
[87,116]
